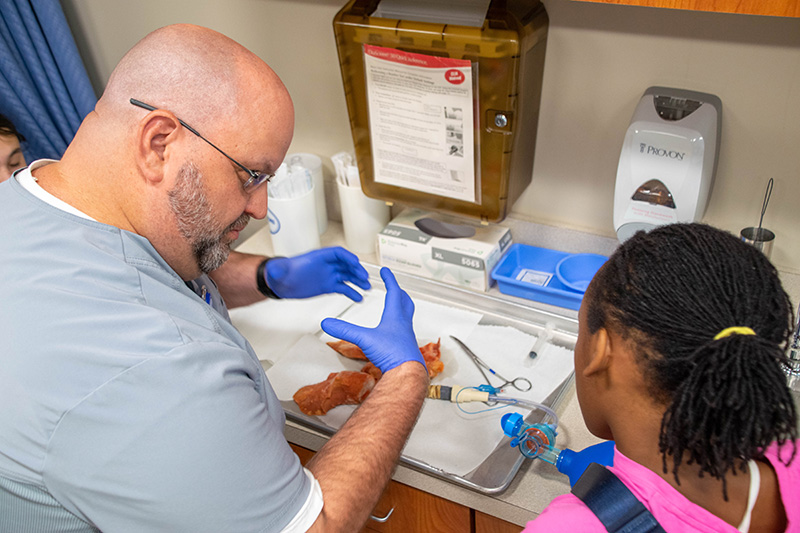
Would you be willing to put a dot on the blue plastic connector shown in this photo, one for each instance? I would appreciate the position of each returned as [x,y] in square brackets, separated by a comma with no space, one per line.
[489,389]
[537,441]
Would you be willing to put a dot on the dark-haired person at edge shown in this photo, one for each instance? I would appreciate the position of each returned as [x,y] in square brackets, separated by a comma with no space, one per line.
[129,400]
[11,157]
[682,338]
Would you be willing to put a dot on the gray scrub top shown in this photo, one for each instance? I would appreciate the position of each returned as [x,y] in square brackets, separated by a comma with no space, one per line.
[129,404]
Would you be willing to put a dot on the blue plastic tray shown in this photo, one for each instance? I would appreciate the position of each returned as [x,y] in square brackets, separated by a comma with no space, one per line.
[530,272]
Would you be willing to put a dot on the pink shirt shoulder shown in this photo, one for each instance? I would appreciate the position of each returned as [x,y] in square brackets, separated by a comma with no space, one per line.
[674,512]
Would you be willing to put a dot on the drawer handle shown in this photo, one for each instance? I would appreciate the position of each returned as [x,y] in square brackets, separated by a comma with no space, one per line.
[384,519]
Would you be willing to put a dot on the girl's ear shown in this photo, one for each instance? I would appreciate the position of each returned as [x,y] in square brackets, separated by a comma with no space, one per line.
[600,353]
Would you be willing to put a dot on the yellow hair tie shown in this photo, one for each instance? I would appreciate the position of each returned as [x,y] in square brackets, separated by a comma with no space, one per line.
[738,330]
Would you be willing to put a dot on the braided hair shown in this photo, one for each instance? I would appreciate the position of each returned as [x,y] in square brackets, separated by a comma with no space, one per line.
[671,291]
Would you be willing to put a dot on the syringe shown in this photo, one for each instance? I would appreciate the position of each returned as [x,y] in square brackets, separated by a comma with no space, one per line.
[541,341]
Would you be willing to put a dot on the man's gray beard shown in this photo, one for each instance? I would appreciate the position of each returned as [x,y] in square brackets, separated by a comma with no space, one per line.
[195,222]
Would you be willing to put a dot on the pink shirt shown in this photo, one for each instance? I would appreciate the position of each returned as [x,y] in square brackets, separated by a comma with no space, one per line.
[672,510]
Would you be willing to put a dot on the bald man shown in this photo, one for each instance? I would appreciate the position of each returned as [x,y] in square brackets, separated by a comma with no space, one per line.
[137,406]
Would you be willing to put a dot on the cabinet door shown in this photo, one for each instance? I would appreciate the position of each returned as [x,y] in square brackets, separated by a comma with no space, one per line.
[485,523]
[416,511]
[413,510]
[778,8]
[304,454]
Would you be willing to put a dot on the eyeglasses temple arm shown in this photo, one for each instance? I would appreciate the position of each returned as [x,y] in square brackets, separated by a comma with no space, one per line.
[139,103]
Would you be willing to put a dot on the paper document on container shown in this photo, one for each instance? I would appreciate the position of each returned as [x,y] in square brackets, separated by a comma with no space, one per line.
[444,437]
[421,121]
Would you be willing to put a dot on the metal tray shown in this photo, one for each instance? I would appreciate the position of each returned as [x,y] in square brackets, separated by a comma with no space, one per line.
[496,472]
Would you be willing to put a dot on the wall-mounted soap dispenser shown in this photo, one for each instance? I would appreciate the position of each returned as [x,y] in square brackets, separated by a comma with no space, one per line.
[668,160]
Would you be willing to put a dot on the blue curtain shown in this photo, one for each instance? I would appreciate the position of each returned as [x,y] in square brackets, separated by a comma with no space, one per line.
[44,89]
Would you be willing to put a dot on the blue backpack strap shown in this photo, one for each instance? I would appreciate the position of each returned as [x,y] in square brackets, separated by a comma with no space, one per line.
[613,503]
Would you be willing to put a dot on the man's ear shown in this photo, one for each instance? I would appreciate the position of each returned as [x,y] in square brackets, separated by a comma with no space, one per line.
[600,353]
[156,133]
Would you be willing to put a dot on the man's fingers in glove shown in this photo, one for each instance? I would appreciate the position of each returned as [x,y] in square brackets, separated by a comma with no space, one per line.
[343,330]
[350,268]
[350,292]
[397,300]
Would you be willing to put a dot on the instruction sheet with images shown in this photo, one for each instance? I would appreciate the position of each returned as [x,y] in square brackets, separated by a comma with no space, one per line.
[421,122]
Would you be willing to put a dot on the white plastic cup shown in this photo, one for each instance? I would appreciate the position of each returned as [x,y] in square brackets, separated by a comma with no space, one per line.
[314,165]
[362,219]
[293,224]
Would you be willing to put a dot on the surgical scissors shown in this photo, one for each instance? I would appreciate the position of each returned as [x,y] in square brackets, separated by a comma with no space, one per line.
[520,383]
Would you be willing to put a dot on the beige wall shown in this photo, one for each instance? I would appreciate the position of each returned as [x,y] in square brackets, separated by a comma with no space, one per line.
[600,58]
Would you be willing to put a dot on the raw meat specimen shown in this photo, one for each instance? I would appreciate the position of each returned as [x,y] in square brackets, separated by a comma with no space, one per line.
[346,387]
[430,352]
[348,349]
[349,387]
[372,370]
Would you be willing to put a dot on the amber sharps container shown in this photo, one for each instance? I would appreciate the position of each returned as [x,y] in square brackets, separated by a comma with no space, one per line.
[444,116]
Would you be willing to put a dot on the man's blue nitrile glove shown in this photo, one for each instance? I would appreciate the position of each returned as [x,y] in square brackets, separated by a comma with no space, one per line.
[390,344]
[317,272]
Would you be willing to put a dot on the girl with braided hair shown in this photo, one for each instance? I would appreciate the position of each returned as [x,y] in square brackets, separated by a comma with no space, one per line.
[681,345]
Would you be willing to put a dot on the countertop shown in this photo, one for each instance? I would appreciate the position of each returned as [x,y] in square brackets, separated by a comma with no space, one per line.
[537,482]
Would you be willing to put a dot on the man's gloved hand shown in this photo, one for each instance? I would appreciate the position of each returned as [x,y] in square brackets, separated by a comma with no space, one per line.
[390,344]
[317,272]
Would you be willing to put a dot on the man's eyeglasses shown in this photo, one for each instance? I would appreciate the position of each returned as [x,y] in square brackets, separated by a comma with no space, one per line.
[255,179]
